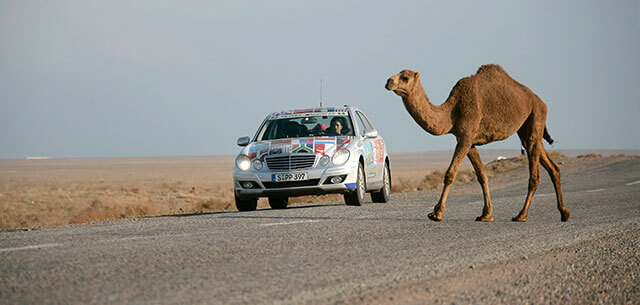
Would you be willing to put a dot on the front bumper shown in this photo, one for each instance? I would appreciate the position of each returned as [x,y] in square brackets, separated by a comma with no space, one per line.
[318,182]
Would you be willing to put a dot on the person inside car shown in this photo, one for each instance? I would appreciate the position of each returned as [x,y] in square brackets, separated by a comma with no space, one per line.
[338,127]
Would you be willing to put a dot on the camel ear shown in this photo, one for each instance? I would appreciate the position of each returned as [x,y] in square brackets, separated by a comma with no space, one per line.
[417,75]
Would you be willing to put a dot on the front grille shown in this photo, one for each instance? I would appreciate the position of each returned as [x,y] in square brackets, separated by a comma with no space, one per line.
[274,185]
[293,161]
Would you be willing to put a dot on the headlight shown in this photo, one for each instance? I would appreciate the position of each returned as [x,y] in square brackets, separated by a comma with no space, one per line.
[243,162]
[324,160]
[257,164]
[340,157]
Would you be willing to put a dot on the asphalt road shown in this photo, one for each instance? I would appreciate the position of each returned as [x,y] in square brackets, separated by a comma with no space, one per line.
[312,254]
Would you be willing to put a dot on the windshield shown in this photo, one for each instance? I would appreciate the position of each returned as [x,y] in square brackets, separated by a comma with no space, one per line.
[308,126]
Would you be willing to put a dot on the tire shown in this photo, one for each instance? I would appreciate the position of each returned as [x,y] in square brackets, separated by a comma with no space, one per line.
[357,196]
[278,203]
[246,204]
[383,194]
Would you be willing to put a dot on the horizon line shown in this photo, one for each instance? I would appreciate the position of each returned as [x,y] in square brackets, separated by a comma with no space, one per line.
[636,151]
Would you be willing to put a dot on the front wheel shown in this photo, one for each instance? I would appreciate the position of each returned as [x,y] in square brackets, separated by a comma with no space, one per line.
[383,194]
[357,196]
[278,203]
[246,204]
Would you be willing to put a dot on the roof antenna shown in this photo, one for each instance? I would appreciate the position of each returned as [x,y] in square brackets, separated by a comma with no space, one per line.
[321,93]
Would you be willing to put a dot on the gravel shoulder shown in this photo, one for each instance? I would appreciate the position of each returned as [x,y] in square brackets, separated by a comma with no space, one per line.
[601,271]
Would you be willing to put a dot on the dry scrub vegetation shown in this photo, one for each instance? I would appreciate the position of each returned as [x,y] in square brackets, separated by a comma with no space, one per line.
[590,155]
[62,191]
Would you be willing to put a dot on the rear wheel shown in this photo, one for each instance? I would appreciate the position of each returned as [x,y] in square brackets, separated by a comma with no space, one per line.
[278,203]
[383,194]
[246,204]
[357,196]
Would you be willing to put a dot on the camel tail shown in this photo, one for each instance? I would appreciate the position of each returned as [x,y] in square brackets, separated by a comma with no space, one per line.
[546,136]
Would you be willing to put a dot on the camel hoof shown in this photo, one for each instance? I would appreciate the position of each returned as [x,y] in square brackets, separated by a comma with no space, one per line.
[565,215]
[519,219]
[485,218]
[433,217]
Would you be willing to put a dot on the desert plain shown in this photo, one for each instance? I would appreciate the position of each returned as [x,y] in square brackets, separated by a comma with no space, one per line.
[60,191]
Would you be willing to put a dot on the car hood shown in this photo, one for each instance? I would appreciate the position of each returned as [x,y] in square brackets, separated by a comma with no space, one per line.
[318,145]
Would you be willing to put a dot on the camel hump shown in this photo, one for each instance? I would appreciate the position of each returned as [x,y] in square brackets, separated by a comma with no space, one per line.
[490,68]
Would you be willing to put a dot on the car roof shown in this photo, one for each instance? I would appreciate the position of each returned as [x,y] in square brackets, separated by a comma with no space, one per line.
[293,113]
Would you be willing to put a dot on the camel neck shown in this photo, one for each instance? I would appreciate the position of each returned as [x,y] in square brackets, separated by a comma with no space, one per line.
[435,120]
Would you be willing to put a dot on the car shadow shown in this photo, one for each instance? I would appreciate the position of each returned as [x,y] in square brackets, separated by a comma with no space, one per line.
[256,215]
[295,207]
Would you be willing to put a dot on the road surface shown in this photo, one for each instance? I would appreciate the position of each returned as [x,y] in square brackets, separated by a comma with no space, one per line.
[333,253]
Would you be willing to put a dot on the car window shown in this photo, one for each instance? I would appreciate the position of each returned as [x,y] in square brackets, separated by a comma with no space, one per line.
[360,124]
[308,126]
[365,120]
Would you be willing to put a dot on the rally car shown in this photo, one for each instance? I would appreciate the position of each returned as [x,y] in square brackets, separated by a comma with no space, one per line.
[312,152]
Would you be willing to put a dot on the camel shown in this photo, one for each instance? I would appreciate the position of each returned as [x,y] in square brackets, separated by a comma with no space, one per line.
[482,108]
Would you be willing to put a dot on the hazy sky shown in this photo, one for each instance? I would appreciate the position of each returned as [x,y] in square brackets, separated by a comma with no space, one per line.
[152,78]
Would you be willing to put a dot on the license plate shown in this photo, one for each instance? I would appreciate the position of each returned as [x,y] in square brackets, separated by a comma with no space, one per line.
[289,177]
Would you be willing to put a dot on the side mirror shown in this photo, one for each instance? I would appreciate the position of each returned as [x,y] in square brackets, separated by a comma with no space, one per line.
[243,141]
[371,133]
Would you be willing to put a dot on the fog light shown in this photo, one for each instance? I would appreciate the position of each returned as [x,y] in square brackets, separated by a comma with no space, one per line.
[336,179]
[247,185]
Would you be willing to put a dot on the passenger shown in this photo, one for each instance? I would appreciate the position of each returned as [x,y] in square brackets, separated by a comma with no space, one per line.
[338,127]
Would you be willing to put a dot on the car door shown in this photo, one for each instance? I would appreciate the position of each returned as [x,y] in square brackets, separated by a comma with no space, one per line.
[373,169]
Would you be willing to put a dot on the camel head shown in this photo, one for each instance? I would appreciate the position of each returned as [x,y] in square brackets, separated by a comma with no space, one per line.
[403,83]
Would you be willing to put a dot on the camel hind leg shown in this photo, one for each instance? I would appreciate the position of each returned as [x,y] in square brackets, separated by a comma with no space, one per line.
[532,143]
[481,174]
[554,172]
[533,153]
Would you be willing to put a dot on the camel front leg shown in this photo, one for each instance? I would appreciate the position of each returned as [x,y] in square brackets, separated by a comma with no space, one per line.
[462,148]
[481,174]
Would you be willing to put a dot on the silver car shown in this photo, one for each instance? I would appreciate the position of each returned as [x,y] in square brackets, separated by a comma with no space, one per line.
[312,152]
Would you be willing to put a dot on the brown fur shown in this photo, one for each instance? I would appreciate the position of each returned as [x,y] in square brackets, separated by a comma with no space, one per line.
[485,107]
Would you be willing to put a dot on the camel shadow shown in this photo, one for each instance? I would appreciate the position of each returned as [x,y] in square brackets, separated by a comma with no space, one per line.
[320,218]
